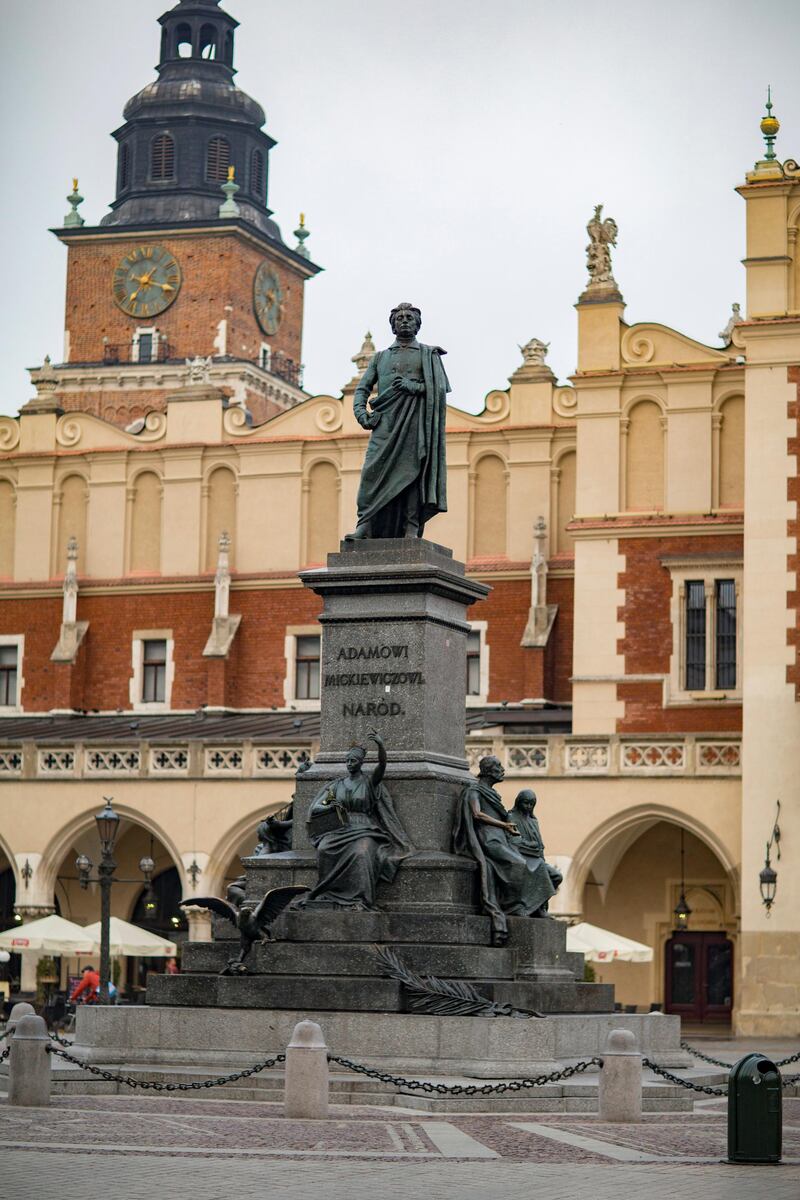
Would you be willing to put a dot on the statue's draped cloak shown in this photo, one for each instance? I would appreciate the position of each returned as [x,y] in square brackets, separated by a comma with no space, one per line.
[407,448]
[368,849]
[511,883]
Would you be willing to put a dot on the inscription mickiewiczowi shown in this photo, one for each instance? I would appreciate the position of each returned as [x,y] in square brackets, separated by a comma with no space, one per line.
[385,679]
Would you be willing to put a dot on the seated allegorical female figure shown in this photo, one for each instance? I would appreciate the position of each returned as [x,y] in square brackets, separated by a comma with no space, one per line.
[512,883]
[358,836]
[530,838]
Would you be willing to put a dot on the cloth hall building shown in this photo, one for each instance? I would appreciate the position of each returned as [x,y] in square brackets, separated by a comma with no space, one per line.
[637,661]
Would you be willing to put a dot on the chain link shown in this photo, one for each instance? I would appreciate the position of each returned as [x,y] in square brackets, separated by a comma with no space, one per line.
[780,1062]
[685,1083]
[196,1086]
[5,1054]
[456,1089]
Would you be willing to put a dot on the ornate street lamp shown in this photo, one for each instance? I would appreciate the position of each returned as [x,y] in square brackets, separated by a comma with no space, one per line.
[768,876]
[682,911]
[107,826]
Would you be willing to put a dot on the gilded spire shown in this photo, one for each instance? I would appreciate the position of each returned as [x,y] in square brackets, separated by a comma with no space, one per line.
[73,217]
[301,233]
[769,127]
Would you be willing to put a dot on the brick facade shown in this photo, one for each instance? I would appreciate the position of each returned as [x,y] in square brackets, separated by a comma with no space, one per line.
[793,530]
[648,637]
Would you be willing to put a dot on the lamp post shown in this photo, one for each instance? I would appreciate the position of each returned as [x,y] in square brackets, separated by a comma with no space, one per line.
[107,825]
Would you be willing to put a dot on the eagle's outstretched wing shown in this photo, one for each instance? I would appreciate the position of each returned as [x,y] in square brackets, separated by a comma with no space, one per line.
[214,904]
[273,904]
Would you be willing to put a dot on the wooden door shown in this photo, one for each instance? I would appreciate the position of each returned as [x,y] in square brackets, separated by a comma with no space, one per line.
[698,972]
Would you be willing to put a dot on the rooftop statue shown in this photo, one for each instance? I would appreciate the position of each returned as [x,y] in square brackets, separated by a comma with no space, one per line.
[602,236]
[403,480]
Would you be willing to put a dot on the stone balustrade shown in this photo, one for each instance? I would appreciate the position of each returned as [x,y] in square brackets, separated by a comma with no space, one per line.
[557,755]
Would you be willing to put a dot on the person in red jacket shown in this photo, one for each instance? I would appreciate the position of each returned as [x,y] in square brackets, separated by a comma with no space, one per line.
[88,990]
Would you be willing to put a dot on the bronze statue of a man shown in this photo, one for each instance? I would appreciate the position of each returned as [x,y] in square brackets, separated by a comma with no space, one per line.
[403,480]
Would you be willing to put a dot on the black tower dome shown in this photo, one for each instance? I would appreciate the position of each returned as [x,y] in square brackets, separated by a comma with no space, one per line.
[184,130]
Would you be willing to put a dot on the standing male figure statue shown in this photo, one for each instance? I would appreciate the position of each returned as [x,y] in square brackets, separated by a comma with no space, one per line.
[403,480]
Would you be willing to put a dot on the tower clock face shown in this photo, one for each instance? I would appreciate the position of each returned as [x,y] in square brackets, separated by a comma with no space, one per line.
[268,298]
[146,281]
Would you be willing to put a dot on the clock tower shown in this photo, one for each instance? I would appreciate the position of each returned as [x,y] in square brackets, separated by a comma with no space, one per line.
[189,261]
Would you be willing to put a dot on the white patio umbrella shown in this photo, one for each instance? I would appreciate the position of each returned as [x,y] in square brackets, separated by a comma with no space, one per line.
[130,939]
[48,935]
[600,945]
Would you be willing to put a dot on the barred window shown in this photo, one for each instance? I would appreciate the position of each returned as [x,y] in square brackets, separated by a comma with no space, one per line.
[162,157]
[154,671]
[306,672]
[9,662]
[695,635]
[218,160]
[257,174]
[726,633]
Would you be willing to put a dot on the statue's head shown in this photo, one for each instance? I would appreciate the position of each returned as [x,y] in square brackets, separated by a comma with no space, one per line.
[355,759]
[405,320]
[491,768]
[526,800]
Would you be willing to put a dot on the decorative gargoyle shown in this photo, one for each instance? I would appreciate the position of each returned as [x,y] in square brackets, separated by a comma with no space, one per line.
[254,922]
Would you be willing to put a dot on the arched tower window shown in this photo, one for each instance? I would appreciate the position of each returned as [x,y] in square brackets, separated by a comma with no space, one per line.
[228,57]
[257,174]
[489,512]
[183,41]
[208,42]
[124,166]
[162,157]
[218,160]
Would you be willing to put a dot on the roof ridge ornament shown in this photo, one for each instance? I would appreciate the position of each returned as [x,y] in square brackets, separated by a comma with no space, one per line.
[73,219]
[769,128]
[301,233]
[229,207]
[602,236]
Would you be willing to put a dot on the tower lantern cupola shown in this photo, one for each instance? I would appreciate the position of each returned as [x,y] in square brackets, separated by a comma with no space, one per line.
[185,130]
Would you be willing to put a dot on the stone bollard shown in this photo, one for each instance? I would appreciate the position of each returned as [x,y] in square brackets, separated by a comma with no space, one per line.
[621,1079]
[22,1009]
[29,1064]
[306,1086]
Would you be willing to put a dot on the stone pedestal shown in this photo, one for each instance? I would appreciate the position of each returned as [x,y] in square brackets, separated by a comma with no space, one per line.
[393,657]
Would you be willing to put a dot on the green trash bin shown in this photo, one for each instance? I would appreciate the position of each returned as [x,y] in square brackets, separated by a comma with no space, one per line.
[754,1111]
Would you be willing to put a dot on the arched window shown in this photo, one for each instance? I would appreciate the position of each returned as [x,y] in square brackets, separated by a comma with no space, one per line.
[8,518]
[731,454]
[489,515]
[124,166]
[208,42]
[257,174]
[183,41]
[229,49]
[162,157]
[322,520]
[221,515]
[566,502]
[158,904]
[644,467]
[218,160]
[145,557]
[71,522]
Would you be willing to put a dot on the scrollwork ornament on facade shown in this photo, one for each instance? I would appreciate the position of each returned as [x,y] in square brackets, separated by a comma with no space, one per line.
[235,421]
[565,401]
[496,407]
[68,431]
[637,347]
[328,417]
[9,433]
[791,168]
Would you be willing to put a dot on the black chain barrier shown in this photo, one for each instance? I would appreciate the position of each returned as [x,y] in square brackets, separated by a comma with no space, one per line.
[780,1062]
[5,1054]
[469,1089]
[196,1086]
[684,1083]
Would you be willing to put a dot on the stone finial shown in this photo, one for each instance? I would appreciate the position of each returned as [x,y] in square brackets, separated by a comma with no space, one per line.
[736,318]
[45,380]
[70,603]
[362,358]
[602,236]
[541,615]
[229,207]
[198,370]
[73,219]
[534,352]
[769,128]
[222,578]
[301,233]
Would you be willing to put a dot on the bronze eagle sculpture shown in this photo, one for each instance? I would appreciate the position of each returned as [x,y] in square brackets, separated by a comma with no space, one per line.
[253,922]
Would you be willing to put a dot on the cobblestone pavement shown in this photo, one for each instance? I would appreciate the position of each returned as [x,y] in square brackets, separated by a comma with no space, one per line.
[132,1146]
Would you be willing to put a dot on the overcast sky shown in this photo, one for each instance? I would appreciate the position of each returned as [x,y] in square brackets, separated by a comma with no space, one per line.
[447,152]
